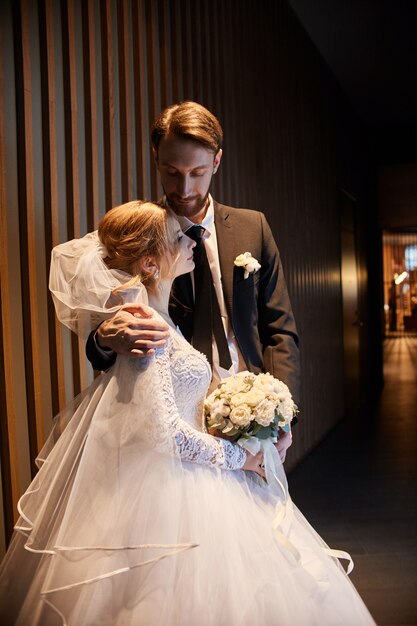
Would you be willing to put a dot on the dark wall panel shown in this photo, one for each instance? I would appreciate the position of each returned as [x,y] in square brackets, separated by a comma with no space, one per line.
[85,79]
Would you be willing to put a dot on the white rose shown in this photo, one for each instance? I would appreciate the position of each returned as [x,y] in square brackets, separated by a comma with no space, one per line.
[283,396]
[233,384]
[248,262]
[266,382]
[252,265]
[241,415]
[241,260]
[286,410]
[237,399]
[254,396]
[281,388]
[264,412]
[251,398]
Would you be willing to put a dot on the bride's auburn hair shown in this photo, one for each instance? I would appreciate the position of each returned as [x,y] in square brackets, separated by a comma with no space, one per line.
[136,231]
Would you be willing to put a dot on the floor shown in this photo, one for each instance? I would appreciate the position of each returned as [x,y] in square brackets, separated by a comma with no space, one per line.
[359,490]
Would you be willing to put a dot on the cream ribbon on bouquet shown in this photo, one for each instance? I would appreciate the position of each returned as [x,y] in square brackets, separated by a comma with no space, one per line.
[284,510]
[277,482]
[251,409]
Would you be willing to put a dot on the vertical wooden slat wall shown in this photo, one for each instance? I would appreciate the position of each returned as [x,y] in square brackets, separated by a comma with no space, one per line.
[8,410]
[90,115]
[30,253]
[50,177]
[100,70]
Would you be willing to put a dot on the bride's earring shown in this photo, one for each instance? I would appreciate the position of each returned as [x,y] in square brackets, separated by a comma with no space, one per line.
[156,274]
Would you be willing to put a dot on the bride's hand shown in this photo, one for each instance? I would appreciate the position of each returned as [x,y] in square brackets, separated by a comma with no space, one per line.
[254,463]
[133,332]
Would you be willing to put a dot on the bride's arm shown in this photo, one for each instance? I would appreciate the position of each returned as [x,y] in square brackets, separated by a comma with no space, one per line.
[193,445]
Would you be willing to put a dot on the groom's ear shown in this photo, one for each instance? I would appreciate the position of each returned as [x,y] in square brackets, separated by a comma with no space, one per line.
[217,160]
[155,155]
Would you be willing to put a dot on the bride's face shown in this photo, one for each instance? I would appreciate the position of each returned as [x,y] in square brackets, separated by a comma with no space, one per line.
[184,260]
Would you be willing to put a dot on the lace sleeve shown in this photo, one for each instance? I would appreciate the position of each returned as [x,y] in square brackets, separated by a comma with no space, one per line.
[190,444]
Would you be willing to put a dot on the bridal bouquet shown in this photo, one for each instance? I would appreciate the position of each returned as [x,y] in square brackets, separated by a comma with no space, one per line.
[250,405]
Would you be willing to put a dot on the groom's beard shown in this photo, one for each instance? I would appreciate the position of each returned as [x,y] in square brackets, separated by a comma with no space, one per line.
[190,207]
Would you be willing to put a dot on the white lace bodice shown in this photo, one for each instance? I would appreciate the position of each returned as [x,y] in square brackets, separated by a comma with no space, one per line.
[163,400]
[185,376]
[190,375]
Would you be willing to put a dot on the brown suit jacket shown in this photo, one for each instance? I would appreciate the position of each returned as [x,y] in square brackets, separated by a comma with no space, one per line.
[258,306]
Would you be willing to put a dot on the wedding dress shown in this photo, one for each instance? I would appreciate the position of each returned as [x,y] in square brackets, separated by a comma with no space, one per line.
[138,517]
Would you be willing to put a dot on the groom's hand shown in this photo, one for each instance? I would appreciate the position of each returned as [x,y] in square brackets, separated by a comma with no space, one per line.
[283,443]
[133,332]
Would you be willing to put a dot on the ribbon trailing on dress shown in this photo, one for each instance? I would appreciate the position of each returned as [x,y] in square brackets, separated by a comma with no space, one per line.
[284,511]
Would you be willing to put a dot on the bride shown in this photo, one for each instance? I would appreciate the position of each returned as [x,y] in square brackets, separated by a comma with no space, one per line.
[137,515]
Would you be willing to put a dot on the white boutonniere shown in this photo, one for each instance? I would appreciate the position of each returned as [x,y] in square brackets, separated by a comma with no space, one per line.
[248,262]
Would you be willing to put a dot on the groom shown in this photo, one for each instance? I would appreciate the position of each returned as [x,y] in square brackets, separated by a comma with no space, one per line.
[255,329]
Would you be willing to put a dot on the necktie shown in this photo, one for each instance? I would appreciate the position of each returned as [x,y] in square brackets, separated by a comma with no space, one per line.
[207,319]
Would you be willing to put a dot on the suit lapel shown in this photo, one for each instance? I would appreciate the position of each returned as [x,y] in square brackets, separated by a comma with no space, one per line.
[226,248]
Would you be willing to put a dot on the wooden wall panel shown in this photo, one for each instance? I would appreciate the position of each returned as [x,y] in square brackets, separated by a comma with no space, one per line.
[126,157]
[101,71]
[28,235]
[140,90]
[50,183]
[153,77]
[164,38]
[8,443]
[90,114]
[71,32]
[14,440]
[108,105]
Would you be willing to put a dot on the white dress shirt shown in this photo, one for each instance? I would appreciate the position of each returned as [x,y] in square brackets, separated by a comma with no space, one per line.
[210,243]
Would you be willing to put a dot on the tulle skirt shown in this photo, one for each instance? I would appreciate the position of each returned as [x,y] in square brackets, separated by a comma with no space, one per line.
[113,532]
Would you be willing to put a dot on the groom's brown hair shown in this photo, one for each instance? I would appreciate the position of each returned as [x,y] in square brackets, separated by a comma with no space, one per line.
[188,120]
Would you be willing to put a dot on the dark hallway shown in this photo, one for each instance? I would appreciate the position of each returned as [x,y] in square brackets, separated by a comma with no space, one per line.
[358,488]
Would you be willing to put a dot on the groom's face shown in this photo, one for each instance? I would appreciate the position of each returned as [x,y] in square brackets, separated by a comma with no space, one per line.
[186,168]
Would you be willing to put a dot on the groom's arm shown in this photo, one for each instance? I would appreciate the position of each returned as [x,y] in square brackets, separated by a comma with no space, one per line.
[132,331]
[100,358]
